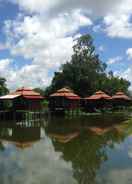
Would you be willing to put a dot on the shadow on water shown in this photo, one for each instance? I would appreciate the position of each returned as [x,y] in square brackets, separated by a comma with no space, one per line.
[72,150]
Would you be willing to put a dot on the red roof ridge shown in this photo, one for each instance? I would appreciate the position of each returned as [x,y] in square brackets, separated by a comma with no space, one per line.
[98,95]
[99,92]
[65,92]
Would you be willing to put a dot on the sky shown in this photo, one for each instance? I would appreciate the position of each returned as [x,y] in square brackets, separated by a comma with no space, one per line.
[36,37]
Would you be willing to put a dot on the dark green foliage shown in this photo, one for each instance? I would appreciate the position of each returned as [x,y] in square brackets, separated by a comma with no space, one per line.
[111,84]
[39,90]
[3,88]
[85,73]
[3,91]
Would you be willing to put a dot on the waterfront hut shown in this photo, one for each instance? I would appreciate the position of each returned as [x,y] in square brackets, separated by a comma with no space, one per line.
[120,100]
[23,99]
[99,100]
[63,99]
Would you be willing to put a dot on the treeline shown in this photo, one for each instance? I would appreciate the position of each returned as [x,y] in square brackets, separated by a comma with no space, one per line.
[85,73]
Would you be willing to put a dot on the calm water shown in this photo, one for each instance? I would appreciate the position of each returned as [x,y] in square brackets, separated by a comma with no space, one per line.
[85,150]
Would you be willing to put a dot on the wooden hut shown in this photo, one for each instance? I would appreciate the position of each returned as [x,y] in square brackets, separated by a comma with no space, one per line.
[99,100]
[23,99]
[120,100]
[63,99]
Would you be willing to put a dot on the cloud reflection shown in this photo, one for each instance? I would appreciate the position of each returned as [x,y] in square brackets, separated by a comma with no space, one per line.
[38,164]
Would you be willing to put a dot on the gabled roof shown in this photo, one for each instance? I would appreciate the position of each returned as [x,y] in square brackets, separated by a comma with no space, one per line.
[99,95]
[120,95]
[65,92]
[25,92]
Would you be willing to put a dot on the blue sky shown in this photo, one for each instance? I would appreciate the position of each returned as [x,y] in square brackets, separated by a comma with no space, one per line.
[37,37]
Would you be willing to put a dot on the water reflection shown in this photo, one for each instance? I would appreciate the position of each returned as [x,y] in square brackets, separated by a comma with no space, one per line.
[81,150]
[87,150]
[21,136]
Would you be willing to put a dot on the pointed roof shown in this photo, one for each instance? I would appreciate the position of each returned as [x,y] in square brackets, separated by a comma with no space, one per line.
[120,95]
[65,92]
[25,92]
[99,95]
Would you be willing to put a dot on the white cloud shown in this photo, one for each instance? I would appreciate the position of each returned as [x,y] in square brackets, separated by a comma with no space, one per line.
[118,26]
[96,7]
[129,53]
[127,74]
[116,13]
[114,60]
[4,63]
[30,76]
[36,6]
[47,44]
[45,34]
[118,23]
[5,67]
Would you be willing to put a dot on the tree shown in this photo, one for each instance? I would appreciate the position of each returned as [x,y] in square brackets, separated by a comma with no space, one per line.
[111,84]
[40,90]
[86,73]
[3,88]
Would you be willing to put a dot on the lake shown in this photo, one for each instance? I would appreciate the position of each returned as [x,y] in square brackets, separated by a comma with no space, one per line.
[94,149]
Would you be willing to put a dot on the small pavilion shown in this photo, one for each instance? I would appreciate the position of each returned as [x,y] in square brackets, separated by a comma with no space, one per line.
[64,99]
[23,99]
[120,99]
[99,100]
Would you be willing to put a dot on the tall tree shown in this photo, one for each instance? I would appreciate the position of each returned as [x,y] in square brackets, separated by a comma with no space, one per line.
[85,73]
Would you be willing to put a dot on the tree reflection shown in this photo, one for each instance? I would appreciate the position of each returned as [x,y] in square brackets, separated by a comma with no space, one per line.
[88,151]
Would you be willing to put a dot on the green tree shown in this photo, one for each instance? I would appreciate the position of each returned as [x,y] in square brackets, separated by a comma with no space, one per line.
[86,73]
[3,87]
[111,84]
[40,90]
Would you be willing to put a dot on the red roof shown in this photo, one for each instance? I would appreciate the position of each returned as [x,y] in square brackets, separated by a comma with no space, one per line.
[120,95]
[25,92]
[99,95]
[64,92]
[33,97]
[73,97]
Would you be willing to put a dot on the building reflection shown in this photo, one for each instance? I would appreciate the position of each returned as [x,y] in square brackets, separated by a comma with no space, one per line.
[86,146]
[20,135]
[81,141]
[64,138]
